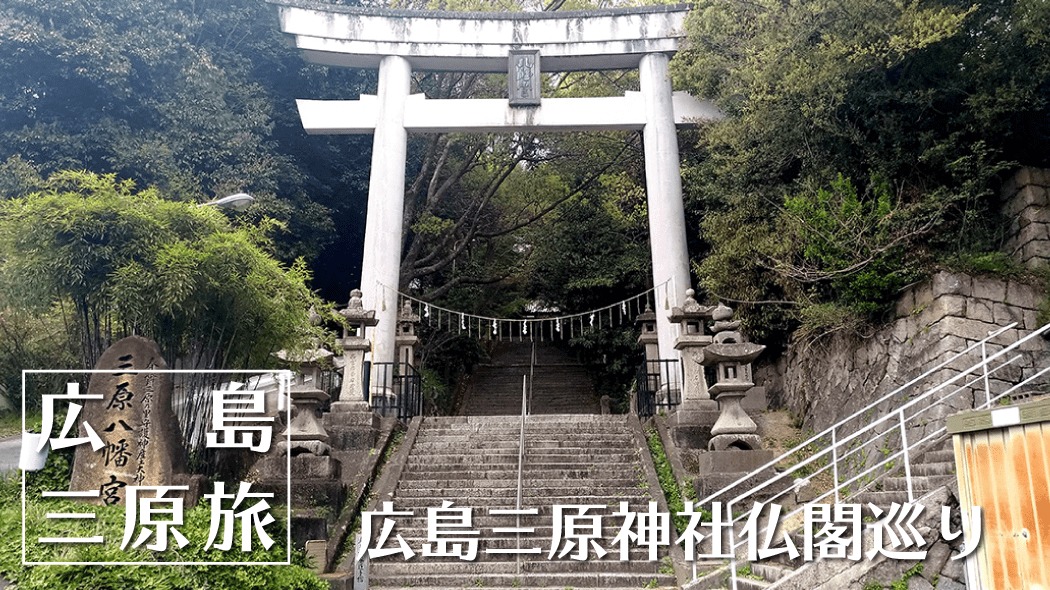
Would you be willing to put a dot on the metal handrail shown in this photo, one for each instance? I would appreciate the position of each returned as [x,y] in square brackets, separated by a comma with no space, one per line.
[982,369]
[532,375]
[658,385]
[526,401]
[395,387]
[521,460]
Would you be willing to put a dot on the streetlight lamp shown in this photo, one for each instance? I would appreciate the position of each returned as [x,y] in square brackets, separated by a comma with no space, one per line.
[237,202]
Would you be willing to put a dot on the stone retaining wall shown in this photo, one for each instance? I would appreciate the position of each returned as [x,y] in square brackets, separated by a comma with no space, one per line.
[841,374]
[1026,201]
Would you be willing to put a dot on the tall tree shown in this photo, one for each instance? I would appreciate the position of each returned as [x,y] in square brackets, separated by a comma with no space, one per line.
[863,144]
[195,98]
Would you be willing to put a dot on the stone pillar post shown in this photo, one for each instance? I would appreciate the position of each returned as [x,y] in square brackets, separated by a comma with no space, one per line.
[381,266]
[663,185]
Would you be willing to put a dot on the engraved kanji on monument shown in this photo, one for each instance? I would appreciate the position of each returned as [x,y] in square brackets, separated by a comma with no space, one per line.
[134,418]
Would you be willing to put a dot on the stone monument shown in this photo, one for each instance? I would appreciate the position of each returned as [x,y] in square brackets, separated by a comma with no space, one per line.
[134,419]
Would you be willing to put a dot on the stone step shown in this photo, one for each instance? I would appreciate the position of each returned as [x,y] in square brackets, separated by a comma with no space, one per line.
[923,483]
[514,429]
[510,460]
[559,492]
[933,469]
[532,426]
[557,580]
[882,499]
[769,571]
[431,421]
[339,583]
[458,486]
[611,502]
[939,456]
[614,459]
[745,583]
[496,440]
[529,471]
[577,439]
[421,565]
[541,408]
[636,555]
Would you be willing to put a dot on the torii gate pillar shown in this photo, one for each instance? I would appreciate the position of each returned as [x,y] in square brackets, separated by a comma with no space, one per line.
[381,266]
[663,187]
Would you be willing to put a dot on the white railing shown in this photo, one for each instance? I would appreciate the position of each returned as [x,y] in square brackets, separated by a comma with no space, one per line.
[888,434]
[521,459]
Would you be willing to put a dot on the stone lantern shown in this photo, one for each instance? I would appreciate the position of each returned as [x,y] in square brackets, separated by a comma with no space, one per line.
[316,475]
[646,322]
[355,345]
[306,431]
[697,407]
[735,448]
[730,356]
[406,334]
[351,423]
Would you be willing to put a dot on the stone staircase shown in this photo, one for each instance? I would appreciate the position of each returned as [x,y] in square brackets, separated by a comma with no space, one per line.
[561,385]
[473,462]
[935,469]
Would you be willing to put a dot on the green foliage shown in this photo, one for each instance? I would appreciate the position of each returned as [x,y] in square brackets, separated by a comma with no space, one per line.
[998,264]
[612,357]
[109,522]
[55,475]
[126,261]
[673,492]
[863,145]
[195,98]
[902,583]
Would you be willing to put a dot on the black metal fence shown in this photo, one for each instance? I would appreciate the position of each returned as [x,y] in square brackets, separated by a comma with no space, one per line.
[659,386]
[395,389]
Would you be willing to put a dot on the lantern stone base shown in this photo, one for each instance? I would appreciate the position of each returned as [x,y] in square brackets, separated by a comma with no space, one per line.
[721,468]
[735,442]
[308,525]
[307,493]
[316,481]
[692,422]
[351,426]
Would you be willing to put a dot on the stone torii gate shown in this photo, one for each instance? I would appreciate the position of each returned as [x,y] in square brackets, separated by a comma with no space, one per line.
[522,45]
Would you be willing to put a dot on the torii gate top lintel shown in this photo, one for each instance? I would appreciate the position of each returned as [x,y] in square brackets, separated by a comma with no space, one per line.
[480,41]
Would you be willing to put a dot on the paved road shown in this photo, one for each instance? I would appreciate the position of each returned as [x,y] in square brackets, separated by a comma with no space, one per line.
[9,449]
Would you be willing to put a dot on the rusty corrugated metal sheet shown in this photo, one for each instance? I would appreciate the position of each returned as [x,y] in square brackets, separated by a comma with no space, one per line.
[1006,471]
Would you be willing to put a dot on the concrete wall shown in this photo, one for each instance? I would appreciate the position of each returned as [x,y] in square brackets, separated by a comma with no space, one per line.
[1026,201]
[839,375]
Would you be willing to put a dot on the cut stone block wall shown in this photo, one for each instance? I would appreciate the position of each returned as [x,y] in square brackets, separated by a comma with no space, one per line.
[1026,202]
[839,375]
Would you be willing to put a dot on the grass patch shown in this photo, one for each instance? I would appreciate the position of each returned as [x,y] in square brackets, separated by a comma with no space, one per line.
[997,264]
[11,422]
[674,493]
